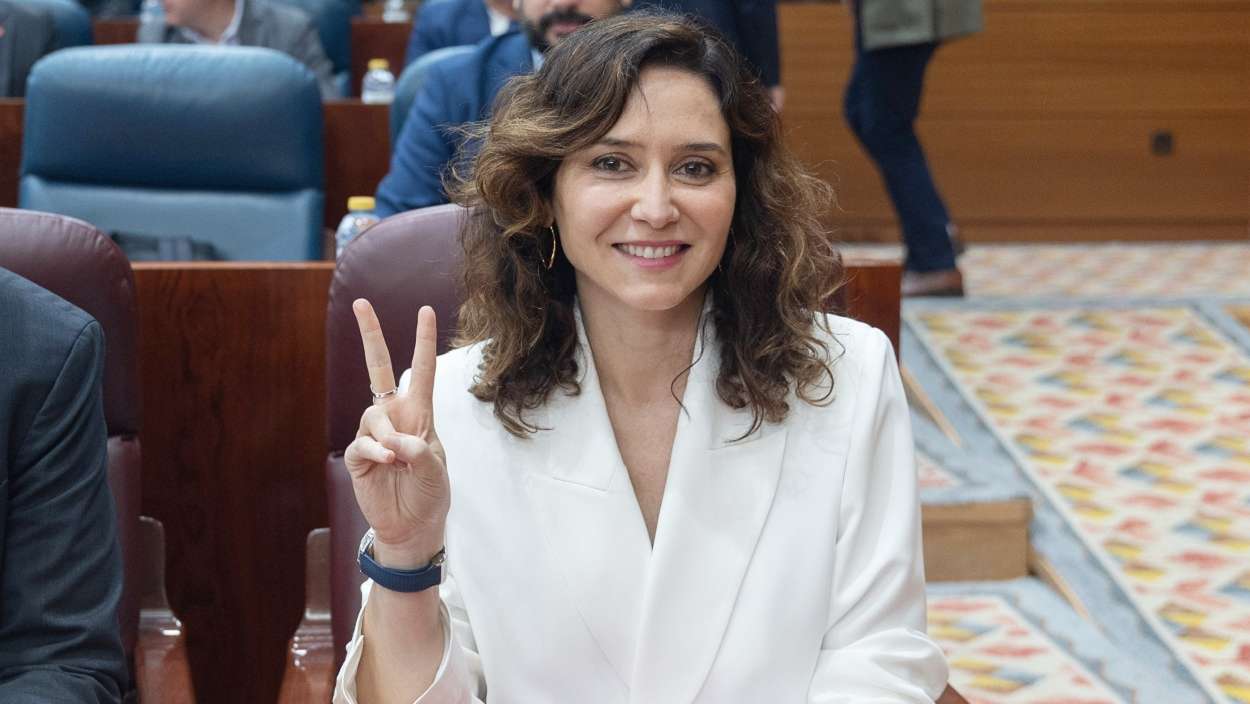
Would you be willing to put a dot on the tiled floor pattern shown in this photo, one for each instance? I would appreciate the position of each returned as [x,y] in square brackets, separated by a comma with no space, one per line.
[998,656]
[1136,424]
[1183,269]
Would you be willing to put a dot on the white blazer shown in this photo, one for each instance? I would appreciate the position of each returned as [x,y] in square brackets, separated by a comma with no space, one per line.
[786,567]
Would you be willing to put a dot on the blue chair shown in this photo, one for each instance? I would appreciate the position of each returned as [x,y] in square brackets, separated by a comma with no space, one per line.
[333,19]
[219,145]
[72,21]
[410,81]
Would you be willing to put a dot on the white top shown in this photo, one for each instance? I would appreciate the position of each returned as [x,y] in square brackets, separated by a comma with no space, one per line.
[230,37]
[786,567]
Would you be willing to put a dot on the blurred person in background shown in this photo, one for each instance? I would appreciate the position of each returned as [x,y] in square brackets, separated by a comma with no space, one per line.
[111,8]
[894,41]
[262,23]
[443,23]
[750,25]
[461,90]
[26,34]
[60,563]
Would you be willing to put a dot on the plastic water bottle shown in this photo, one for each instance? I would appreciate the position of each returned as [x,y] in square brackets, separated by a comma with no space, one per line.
[152,12]
[394,11]
[379,84]
[359,217]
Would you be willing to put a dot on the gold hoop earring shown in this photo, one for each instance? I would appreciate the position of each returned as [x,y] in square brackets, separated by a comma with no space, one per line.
[551,260]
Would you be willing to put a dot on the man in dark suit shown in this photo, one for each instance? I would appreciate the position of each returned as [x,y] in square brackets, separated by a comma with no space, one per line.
[460,89]
[750,25]
[443,23]
[262,23]
[26,34]
[60,565]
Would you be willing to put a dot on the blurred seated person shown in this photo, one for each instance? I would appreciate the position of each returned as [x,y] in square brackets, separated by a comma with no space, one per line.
[443,23]
[653,470]
[110,8]
[750,25]
[462,89]
[61,570]
[26,34]
[262,23]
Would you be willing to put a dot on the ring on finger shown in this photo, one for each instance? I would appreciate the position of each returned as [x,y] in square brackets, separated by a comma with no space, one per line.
[383,395]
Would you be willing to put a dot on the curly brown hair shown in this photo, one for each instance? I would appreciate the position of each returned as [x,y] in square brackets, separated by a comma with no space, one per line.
[779,267]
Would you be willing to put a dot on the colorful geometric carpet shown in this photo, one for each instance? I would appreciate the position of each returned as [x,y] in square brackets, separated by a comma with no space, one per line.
[1119,269]
[1017,642]
[1133,423]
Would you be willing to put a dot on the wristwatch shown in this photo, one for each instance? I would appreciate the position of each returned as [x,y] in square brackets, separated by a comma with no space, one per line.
[406,581]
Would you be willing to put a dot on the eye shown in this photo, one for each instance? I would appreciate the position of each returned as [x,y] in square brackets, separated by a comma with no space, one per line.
[609,163]
[696,169]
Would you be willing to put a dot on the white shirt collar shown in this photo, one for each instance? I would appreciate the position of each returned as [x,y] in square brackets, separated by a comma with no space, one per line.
[499,22]
[230,37]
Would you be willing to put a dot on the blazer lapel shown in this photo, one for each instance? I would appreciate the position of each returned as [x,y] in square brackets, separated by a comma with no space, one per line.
[585,505]
[715,504]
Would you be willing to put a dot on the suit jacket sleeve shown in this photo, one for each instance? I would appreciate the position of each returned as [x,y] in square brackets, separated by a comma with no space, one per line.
[459,678]
[875,648]
[423,151]
[61,579]
[422,40]
[757,32]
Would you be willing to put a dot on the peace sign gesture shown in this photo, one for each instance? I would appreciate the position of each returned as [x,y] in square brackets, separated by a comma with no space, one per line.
[397,465]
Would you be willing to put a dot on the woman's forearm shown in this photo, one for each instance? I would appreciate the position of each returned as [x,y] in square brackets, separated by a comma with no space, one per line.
[403,645]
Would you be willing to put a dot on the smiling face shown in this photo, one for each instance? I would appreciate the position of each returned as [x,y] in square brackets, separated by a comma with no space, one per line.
[644,213]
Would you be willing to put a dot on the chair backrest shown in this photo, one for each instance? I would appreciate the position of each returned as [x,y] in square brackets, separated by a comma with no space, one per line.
[410,81]
[219,144]
[71,20]
[80,264]
[400,264]
[333,19]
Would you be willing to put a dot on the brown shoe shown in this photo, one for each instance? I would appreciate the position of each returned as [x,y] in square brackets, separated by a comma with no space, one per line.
[944,282]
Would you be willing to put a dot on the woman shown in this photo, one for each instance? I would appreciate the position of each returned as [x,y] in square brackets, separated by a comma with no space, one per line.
[661,474]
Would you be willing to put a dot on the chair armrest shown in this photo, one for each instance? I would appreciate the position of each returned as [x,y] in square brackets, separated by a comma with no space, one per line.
[950,696]
[162,672]
[309,675]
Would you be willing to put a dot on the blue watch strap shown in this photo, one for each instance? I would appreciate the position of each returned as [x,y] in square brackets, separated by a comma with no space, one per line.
[407,581]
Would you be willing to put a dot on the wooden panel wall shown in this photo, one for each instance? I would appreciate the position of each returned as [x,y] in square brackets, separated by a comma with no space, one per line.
[1041,127]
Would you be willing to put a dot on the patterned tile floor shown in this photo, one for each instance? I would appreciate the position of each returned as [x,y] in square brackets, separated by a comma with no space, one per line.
[1136,424]
[1112,269]
[999,656]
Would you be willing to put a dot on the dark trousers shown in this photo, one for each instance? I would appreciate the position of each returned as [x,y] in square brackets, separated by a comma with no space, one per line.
[881,104]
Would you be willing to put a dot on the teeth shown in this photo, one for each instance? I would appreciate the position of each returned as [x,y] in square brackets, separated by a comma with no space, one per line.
[650,252]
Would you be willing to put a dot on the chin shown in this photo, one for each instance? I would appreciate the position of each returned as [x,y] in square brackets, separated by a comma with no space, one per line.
[657,299]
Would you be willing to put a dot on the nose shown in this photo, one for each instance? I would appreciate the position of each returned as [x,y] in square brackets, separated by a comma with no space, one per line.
[653,201]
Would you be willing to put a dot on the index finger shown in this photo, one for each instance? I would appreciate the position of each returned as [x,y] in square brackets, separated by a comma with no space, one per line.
[424,353]
[377,356]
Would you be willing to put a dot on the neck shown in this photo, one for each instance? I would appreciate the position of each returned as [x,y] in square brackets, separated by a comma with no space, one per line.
[639,354]
[214,18]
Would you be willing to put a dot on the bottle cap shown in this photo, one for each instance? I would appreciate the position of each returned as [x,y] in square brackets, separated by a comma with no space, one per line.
[361,203]
[375,64]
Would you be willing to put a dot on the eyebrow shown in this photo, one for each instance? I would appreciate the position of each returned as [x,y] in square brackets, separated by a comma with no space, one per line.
[692,146]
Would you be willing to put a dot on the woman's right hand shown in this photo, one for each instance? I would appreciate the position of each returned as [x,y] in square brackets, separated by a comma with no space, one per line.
[397,465]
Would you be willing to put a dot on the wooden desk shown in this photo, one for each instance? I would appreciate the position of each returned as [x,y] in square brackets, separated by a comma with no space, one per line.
[232,358]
